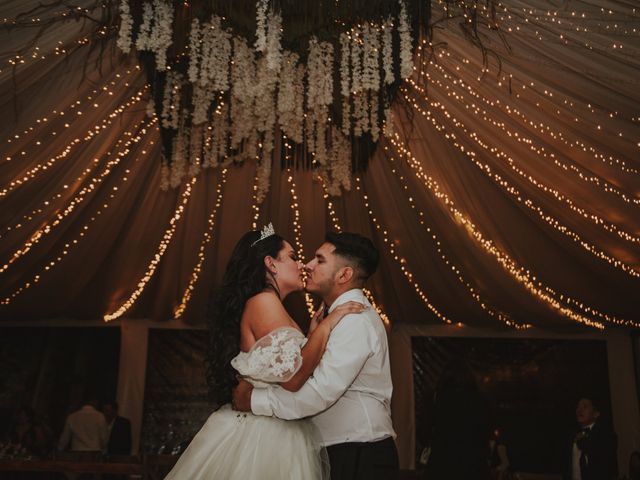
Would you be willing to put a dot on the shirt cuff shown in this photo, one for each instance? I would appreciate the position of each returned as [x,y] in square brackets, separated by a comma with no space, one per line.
[260,402]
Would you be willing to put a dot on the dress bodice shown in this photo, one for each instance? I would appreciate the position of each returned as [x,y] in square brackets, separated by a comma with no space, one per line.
[274,358]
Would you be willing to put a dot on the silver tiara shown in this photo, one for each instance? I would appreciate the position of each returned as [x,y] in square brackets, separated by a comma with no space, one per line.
[267,231]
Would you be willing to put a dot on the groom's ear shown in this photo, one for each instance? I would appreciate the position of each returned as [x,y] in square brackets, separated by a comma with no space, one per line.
[345,274]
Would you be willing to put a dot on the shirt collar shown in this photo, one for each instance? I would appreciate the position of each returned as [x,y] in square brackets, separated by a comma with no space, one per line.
[355,294]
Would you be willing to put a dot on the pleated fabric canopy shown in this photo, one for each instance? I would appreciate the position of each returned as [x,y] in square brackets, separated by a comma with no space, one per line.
[506,192]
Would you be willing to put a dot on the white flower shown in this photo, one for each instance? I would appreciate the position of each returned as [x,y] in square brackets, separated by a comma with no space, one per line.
[261,26]
[156,32]
[201,98]
[195,42]
[151,107]
[356,62]
[195,150]
[126,27]
[345,53]
[263,176]
[274,39]
[164,175]
[387,51]
[161,35]
[373,116]
[371,55]
[404,30]
[179,156]
[171,100]
[291,97]
[142,42]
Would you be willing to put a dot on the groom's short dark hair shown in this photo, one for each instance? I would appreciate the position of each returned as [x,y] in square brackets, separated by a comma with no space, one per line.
[359,251]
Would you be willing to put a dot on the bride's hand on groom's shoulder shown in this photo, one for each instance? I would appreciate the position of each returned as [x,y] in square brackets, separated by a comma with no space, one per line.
[317,318]
[241,396]
[343,310]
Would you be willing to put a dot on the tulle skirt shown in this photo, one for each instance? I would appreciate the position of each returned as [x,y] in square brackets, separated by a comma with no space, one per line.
[238,446]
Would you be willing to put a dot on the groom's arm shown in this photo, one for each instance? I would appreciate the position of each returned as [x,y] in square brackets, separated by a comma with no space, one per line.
[351,343]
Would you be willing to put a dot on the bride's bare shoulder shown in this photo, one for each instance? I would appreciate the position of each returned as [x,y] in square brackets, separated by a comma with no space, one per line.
[263,313]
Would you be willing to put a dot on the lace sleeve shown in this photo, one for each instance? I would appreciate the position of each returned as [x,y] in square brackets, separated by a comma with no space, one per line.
[274,358]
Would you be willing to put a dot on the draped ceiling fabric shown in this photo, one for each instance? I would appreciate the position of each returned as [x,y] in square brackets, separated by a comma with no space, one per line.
[508,193]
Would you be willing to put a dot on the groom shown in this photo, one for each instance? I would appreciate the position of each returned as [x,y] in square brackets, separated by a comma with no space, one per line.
[349,394]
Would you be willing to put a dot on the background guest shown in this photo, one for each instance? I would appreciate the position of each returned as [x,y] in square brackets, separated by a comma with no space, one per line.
[85,429]
[29,433]
[119,430]
[594,445]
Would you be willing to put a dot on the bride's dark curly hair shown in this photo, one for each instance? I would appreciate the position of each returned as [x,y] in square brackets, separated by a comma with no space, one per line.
[245,276]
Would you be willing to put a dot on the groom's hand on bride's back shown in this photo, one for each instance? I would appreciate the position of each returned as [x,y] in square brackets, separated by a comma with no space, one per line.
[242,396]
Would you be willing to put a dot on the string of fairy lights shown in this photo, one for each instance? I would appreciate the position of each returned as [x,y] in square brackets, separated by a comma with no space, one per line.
[580,173]
[49,39]
[255,205]
[556,98]
[68,149]
[51,202]
[42,232]
[135,136]
[510,189]
[509,160]
[525,277]
[297,229]
[206,240]
[474,294]
[162,248]
[89,101]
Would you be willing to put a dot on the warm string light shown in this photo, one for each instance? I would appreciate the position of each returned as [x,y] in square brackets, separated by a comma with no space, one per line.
[524,277]
[580,173]
[162,248]
[475,295]
[554,97]
[516,195]
[70,112]
[42,232]
[569,27]
[50,202]
[508,160]
[255,204]
[85,228]
[400,260]
[297,231]
[58,47]
[208,236]
[89,135]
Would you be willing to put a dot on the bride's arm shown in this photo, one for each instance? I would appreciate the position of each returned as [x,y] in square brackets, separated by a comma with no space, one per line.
[264,313]
[317,342]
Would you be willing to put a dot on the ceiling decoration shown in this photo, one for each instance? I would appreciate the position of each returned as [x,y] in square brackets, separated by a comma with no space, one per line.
[504,195]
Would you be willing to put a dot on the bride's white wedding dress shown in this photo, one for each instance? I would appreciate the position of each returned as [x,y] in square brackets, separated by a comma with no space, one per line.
[243,446]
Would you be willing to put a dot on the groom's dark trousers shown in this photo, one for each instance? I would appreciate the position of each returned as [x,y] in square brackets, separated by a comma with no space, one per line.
[364,461]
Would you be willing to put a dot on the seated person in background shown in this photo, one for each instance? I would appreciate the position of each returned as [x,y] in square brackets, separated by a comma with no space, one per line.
[85,430]
[29,434]
[119,430]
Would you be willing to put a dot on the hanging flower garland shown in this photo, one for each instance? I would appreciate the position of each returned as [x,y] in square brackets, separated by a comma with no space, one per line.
[404,29]
[126,27]
[232,98]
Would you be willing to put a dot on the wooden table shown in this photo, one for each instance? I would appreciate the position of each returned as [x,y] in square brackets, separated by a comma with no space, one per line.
[68,466]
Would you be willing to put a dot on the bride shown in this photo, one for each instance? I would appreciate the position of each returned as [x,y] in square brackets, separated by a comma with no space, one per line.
[253,333]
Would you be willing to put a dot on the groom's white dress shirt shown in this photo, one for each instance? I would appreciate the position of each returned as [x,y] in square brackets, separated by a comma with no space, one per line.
[349,394]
